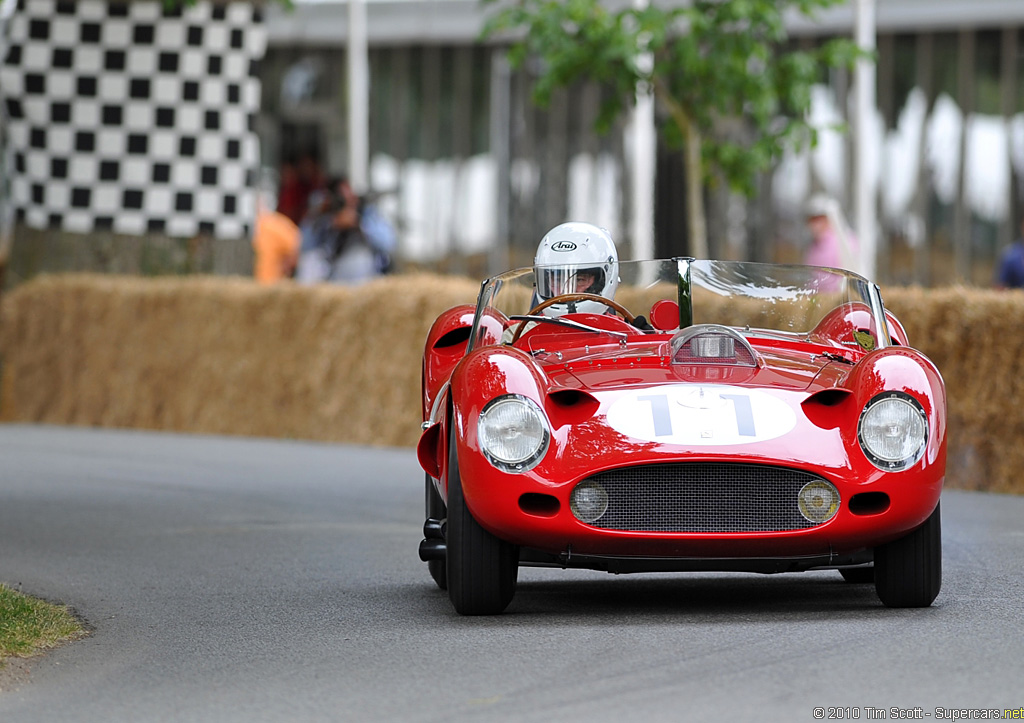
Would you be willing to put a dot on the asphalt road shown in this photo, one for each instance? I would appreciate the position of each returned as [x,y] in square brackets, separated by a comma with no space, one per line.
[250,580]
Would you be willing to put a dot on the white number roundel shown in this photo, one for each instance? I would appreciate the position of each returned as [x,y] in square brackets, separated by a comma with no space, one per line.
[701,414]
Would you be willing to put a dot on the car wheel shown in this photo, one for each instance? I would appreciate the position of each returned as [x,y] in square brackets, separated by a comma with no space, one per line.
[435,510]
[482,569]
[908,571]
[858,575]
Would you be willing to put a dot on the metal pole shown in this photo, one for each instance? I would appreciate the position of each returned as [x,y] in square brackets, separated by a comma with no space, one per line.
[864,141]
[358,98]
[501,150]
[643,135]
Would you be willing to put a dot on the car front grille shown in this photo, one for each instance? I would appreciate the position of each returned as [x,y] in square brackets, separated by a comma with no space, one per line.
[703,497]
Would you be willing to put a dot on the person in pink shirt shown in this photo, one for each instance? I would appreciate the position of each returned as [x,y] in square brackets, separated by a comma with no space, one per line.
[832,243]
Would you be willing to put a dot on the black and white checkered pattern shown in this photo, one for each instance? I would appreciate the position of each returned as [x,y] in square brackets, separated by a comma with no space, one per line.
[131,117]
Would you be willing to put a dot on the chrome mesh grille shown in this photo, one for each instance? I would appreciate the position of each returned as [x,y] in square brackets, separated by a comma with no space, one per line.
[703,497]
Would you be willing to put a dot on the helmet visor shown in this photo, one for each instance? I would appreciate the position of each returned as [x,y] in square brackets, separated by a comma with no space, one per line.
[556,281]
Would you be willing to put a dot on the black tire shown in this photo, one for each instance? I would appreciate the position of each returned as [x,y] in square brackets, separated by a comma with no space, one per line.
[435,510]
[908,571]
[482,569]
[858,575]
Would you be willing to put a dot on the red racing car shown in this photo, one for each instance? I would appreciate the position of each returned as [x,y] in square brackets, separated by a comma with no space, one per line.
[754,417]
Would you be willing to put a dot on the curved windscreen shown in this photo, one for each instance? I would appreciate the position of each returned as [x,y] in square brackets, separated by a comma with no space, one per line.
[754,298]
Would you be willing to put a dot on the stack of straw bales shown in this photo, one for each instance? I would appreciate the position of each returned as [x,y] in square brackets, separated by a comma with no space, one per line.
[227,356]
[976,338]
[222,356]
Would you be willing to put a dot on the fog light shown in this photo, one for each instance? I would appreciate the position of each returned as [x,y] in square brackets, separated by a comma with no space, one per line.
[589,501]
[818,501]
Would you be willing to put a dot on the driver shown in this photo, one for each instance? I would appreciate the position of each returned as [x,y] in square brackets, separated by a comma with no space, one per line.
[575,258]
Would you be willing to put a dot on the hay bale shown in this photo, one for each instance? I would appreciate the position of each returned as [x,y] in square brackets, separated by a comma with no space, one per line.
[223,356]
[970,335]
[228,356]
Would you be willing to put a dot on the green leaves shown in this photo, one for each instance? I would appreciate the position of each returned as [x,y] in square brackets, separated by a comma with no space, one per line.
[722,65]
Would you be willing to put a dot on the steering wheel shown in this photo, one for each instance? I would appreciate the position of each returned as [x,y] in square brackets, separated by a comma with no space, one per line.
[577,296]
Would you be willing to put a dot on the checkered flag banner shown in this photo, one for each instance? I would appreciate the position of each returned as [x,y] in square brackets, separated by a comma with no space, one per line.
[132,117]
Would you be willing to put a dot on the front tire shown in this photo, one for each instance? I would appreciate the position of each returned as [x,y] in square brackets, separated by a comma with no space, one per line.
[482,569]
[908,571]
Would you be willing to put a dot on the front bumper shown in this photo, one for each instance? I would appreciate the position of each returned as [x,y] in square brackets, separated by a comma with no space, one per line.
[533,511]
[627,564]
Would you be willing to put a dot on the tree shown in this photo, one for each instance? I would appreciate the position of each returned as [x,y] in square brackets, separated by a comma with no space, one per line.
[735,92]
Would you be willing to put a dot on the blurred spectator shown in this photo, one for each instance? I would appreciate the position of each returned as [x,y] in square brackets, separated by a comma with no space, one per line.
[832,242]
[345,239]
[1010,271]
[299,179]
[275,240]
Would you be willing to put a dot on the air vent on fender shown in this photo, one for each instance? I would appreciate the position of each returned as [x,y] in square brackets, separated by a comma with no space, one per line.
[455,337]
[570,406]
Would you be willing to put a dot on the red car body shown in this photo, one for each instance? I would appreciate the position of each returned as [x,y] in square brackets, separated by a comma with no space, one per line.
[698,461]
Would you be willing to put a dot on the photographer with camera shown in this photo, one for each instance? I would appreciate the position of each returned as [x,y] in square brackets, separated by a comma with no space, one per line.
[344,238]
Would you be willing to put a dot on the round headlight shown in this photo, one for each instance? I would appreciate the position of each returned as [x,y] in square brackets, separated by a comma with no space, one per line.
[818,501]
[893,431]
[588,501]
[513,433]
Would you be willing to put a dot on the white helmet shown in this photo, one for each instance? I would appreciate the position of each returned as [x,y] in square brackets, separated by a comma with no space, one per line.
[567,254]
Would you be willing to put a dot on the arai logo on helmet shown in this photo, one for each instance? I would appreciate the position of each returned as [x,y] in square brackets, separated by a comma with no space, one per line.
[563,246]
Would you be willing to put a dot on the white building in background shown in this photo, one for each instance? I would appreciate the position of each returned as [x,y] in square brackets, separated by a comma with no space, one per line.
[469,168]
[950,124]
[458,177]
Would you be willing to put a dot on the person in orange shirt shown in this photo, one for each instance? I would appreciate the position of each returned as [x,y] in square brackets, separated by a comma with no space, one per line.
[275,240]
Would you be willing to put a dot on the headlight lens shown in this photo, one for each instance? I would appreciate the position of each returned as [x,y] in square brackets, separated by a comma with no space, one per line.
[893,431]
[818,501]
[513,433]
[588,501]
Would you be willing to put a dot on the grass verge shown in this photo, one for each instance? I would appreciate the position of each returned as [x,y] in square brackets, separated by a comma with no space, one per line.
[29,626]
